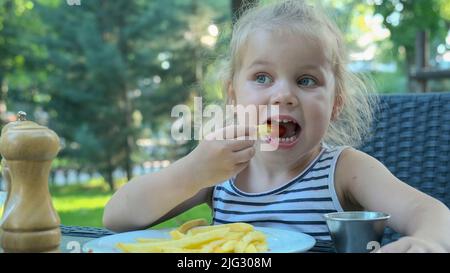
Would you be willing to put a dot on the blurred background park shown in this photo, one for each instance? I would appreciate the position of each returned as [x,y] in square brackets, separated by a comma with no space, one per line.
[104,75]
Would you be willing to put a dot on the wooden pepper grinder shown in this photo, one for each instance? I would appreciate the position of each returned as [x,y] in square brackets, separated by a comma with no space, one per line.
[7,181]
[30,222]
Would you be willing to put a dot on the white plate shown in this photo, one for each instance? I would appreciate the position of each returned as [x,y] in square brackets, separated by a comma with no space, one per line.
[279,240]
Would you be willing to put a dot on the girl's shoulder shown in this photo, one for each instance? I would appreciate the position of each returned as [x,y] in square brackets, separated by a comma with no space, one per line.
[346,174]
[357,174]
[350,163]
[351,158]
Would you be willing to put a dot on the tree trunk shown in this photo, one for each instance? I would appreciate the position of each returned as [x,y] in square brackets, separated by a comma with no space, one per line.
[66,177]
[77,175]
[129,141]
[410,86]
[129,144]
[92,174]
[109,176]
[421,58]
[110,180]
[53,177]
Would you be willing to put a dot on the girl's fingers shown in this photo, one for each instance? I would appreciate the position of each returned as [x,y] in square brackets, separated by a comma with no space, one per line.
[246,132]
[233,132]
[411,245]
[238,145]
[400,246]
[416,249]
[244,155]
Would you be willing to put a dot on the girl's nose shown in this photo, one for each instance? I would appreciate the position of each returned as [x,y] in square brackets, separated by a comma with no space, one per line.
[284,95]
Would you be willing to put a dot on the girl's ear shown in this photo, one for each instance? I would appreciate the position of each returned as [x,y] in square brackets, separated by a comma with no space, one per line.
[231,96]
[337,107]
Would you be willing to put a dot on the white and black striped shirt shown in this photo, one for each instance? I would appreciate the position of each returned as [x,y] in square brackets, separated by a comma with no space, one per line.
[298,205]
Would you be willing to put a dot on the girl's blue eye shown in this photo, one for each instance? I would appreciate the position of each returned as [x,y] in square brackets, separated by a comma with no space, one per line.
[307,81]
[263,79]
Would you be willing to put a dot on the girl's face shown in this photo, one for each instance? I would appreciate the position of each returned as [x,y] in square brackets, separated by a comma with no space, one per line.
[292,72]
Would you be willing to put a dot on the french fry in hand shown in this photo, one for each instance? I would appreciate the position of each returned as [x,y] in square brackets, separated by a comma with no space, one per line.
[264,130]
[194,237]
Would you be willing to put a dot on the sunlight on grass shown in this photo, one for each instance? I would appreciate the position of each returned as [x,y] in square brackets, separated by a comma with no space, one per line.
[74,203]
[83,205]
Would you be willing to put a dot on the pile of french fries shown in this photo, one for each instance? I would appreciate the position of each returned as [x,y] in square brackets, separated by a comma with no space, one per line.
[196,236]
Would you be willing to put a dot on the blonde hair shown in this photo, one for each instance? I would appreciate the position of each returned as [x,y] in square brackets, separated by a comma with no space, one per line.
[354,101]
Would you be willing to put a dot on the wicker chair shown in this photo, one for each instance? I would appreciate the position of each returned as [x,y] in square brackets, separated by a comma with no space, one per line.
[411,137]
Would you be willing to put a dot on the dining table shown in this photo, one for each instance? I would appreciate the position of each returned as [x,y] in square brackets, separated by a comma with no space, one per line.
[74,237]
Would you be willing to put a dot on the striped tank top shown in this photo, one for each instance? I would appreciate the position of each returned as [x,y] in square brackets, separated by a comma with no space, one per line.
[298,205]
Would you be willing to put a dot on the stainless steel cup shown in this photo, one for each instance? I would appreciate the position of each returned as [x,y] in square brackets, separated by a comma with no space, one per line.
[356,231]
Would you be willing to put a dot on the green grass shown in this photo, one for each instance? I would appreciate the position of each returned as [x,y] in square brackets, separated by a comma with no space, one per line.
[82,205]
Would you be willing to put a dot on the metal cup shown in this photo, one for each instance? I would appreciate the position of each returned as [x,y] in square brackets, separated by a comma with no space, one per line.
[356,231]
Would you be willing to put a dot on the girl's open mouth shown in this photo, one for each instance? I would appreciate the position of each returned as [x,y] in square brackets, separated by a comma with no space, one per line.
[284,131]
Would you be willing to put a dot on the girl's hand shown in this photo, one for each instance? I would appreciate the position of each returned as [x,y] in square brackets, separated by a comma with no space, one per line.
[222,154]
[412,245]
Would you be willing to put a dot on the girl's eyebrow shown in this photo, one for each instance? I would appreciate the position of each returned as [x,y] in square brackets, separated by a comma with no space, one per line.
[310,66]
[306,66]
[259,62]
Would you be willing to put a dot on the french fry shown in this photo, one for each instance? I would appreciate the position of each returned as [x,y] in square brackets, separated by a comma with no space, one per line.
[190,224]
[194,237]
[150,240]
[178,250]
[247,239]
[235,235]
[261,246]
[186,242]
[254,236]
[228,246]
[211,246]
[176,234]
[250,249]
[234,227]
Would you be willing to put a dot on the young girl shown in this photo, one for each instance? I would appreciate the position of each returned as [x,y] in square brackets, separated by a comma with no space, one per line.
[290,55]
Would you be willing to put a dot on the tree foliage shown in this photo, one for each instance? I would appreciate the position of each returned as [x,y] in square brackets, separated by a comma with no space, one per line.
[404,18]
[110,69]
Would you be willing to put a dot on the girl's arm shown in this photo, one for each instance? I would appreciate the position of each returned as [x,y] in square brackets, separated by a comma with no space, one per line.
[367,183]
[148,198]
[203,196]
[154,197]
